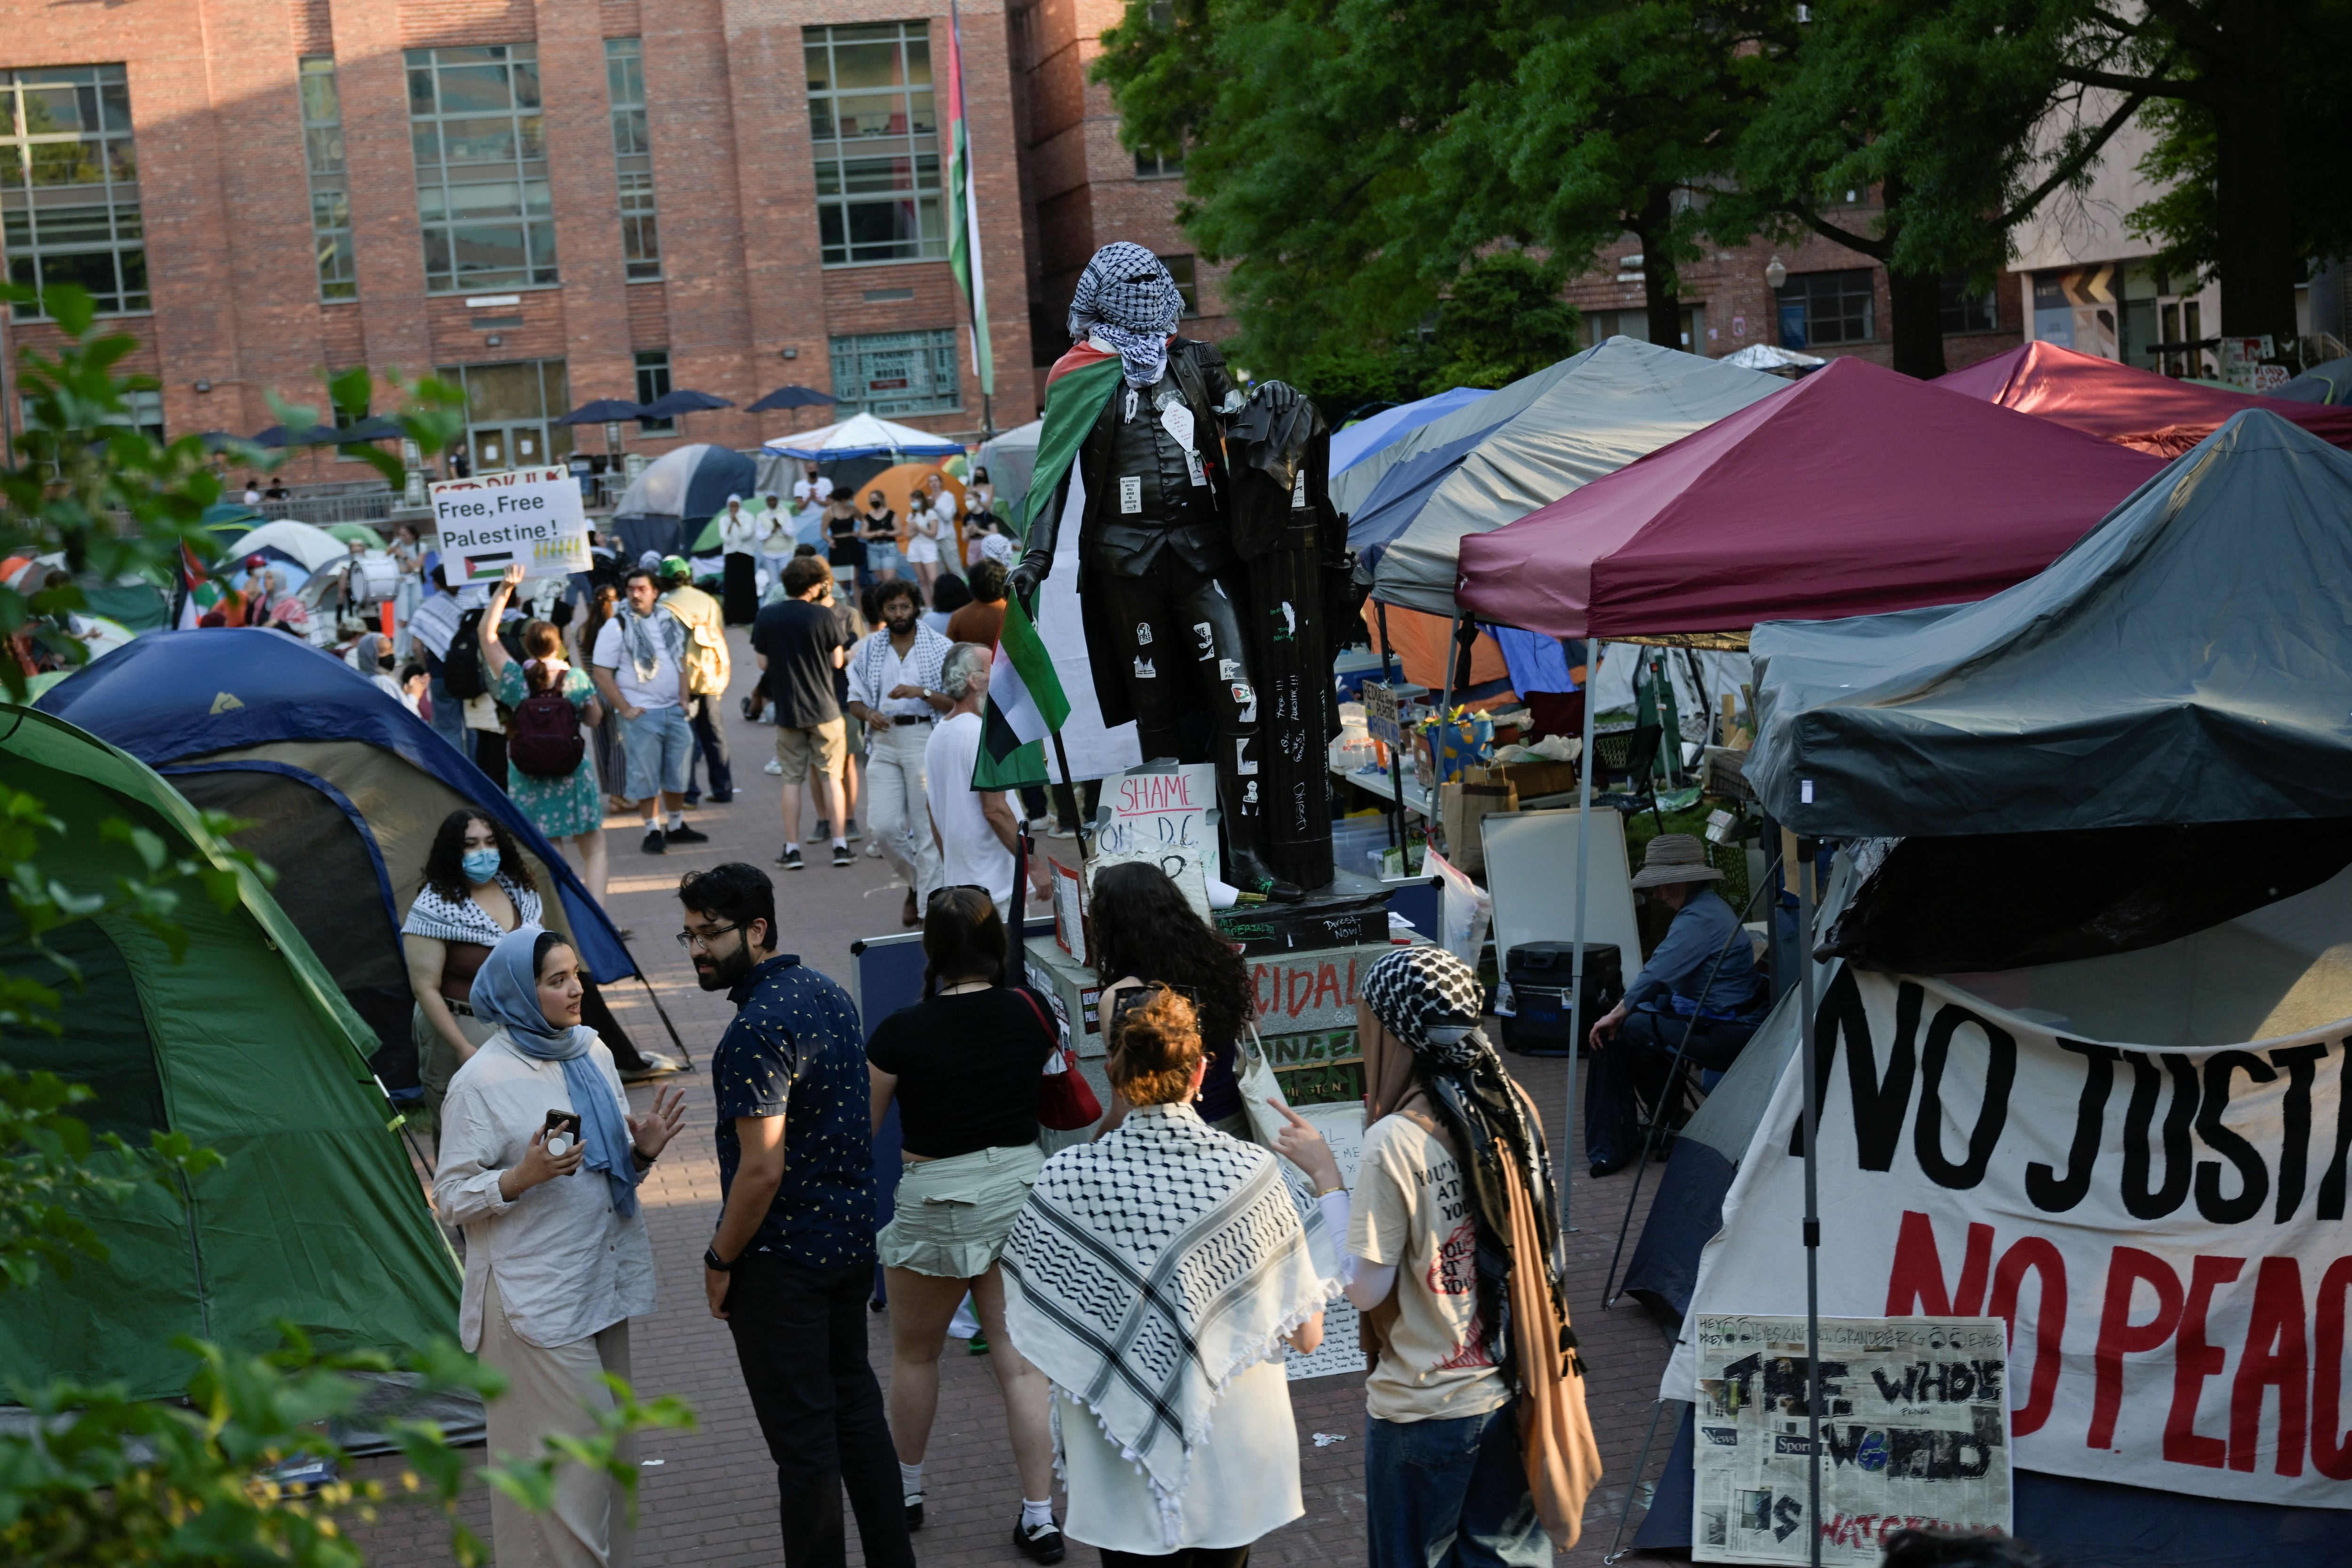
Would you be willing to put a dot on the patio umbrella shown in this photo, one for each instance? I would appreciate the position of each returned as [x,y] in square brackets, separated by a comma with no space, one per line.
[864,435]
[794,396]
[604,410]
[684,401]
[375,429]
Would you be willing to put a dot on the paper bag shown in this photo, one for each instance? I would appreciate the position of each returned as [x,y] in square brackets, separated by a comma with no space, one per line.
[1461,807]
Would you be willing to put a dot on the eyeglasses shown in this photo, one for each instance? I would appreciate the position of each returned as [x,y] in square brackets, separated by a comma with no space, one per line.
[690,940]
[1127,1001]
[937,892]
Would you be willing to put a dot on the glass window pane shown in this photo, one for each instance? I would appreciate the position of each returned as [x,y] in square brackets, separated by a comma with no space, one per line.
[319,101]
[919,55]
[866,65]
[479,140]
[122,160]
[420,87]
[115,97]
[487,247]
[526,83]
[69,162]
[50,110]
[425,144]
[819,61]
[920,115]
[472,89]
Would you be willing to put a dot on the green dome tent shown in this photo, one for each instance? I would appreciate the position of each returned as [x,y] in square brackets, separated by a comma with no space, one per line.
[247,1046]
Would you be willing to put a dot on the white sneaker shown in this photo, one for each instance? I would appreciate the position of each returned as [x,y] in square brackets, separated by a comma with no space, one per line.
[772,768]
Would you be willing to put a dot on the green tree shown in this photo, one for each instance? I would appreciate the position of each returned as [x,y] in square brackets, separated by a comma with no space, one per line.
[97,1478]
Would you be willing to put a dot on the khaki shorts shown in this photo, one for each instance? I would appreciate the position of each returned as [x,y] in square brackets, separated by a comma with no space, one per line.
[953,1214]
[822,744]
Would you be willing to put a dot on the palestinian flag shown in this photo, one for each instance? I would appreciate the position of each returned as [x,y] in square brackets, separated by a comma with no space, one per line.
[1025,705]
[963,210]
[1077,386]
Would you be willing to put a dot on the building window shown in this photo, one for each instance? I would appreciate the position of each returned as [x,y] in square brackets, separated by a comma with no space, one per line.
[1159,163]
[625,76]
[1821,308]
[330,197]
[69,186]
[1600,326]
[481,168]
[894,374]
[877,140]
[509,412]
[652,384]
[1180,267]
[1965,310]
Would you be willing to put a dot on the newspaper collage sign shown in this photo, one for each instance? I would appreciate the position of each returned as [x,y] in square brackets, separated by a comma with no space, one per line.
[1913,1435]
[492,521]
[2162,1230]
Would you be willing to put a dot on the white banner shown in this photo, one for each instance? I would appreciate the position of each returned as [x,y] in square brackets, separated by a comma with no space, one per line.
[2161,1229]
[529,515]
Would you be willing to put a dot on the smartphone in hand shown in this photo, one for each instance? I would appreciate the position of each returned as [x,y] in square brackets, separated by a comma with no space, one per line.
[562,1132]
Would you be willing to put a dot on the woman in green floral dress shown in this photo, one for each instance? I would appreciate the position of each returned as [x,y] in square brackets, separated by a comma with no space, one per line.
[570,809]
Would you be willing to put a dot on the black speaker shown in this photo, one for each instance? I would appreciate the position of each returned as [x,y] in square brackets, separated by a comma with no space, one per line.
[1541,975]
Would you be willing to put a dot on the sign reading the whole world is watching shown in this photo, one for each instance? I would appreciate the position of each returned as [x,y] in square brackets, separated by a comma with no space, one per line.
[528,515]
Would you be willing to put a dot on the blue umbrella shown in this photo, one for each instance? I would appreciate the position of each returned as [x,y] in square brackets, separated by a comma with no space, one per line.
[684,401]
[604,410]
[794,396]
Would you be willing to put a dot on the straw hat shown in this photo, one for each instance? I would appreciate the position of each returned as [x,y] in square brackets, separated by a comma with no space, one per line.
[1675,857]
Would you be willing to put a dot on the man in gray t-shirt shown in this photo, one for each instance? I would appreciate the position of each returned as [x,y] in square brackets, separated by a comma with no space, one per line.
[799,645]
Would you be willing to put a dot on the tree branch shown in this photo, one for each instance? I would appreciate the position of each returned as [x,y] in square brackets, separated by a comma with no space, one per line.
[2146,87]
[1876,249]
[2072,165]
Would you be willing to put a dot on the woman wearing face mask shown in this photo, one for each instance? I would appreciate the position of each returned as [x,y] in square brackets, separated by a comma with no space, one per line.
[557,1260]
[878,527]
[371,657]
[477,889]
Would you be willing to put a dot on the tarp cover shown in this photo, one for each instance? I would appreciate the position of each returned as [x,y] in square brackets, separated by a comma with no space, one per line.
[2121,404]
[1852,492]
[2190,661]
[864,435]
[1352,489]
[174,695]
[1619,401]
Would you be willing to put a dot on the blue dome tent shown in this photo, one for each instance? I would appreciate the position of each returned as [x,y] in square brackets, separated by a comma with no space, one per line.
[345,788]
[690,482]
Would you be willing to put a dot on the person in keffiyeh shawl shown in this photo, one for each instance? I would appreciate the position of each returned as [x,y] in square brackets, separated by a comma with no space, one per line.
[1127,298]
[1155,1276]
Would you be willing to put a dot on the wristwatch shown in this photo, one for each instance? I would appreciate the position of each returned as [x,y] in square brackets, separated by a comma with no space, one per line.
[715,1263]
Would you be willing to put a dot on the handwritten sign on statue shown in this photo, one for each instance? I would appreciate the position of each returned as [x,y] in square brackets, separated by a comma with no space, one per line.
[1164,814]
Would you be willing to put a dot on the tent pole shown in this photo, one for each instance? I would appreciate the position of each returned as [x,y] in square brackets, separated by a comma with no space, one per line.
[1584,759]
[1634,1484]
[1812,1234]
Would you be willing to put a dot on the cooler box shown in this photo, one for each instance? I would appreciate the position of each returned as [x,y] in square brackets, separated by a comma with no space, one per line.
[1541,975]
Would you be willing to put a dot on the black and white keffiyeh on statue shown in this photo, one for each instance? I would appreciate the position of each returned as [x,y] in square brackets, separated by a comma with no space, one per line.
[1126,299]
[1149,1269]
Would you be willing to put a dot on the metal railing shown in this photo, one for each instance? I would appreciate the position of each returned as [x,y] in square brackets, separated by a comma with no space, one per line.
[349,507]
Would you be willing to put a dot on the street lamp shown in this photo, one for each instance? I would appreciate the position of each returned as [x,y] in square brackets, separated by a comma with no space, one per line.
[1775,275]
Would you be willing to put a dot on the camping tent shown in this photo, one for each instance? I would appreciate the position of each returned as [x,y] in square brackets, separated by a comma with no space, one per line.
[1353,444]
[1855,490]
[1009,458]
[345,788]
[1616,402]
[1772,357]
[245,1045]
[2119,403]
[2330,383]
[692,481]
[307,546]
[2186,663]
[1348,490]
[864,435]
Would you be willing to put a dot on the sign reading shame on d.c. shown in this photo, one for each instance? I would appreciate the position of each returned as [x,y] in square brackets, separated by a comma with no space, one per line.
[2162,1230]
[528,515]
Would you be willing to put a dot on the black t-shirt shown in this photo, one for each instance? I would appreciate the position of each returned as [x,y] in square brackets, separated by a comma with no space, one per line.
[845,616]
[968,1067]
[847,549]
[798,639]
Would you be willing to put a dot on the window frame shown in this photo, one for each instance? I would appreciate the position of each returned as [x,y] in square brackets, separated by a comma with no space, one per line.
[1953,301]
[940,346]
[102,95]
[632,162]
[526,177]
[653,366]
[1802,291]
[323,159]
[915,202]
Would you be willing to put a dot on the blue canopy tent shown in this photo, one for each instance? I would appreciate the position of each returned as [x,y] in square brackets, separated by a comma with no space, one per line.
[344,787]
[1358,441]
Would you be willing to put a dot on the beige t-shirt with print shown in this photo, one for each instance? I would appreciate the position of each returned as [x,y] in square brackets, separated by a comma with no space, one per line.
[1412,1207]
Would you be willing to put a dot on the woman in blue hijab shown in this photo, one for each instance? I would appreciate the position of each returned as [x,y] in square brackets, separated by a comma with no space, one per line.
[539,1161]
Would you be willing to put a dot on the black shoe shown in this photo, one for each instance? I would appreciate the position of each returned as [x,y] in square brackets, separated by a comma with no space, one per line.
[913,1511]
[1610,1168]
[842,857]
[791,859]
[726,800]
[654,843]
[1249,874]
[1038,1543]
[682,834]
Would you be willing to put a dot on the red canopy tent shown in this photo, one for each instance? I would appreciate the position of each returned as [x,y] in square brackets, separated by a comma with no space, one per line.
[1855,492]
[2119,403]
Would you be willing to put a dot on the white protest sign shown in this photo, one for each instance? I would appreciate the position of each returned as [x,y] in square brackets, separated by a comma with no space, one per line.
[2161,1229]
[1164,816]
[1913,1435]
[528,515]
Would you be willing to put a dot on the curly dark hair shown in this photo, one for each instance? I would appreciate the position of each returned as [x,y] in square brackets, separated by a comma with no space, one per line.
[445,863]
[1142,926]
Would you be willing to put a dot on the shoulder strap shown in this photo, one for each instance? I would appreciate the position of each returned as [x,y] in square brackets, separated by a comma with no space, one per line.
[1044,1023]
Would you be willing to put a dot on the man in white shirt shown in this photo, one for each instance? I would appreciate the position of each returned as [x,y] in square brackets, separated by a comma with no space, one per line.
[811,489]
[894,677]
[978,832]
[639,668]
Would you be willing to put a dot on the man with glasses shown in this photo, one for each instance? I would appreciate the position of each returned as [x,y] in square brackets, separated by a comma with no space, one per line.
[792,1261]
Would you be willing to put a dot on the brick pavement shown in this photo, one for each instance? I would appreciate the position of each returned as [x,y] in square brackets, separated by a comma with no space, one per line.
[707,1499]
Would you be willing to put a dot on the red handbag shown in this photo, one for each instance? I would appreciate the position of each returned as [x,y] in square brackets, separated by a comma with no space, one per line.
[1065,1101]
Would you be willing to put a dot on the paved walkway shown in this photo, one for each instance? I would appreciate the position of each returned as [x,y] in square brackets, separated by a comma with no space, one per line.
[708,1497]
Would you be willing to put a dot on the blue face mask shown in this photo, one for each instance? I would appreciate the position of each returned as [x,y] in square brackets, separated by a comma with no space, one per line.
[481,865]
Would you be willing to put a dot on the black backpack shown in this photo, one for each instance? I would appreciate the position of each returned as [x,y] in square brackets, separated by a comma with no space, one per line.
[543,738]
[461,671]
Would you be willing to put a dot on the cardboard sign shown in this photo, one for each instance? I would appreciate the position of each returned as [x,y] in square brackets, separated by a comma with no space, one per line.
[528,515]
[1165,815]
[1914,1434]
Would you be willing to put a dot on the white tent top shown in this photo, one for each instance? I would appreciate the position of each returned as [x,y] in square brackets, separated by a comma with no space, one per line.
[1616,402]
[1767,357]
[863,435]
[313,546]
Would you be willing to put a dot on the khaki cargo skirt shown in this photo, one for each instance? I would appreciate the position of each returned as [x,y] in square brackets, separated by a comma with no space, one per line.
[953,1214]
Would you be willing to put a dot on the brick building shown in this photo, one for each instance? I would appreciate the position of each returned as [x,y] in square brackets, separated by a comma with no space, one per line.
[550,202]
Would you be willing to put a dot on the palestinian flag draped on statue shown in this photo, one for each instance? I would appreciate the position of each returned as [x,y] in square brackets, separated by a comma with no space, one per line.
[1025,705]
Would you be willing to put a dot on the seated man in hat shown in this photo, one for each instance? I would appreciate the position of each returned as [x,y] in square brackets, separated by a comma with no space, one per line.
[1701,984]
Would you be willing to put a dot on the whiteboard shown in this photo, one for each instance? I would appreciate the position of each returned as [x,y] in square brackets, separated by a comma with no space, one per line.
[1531,873]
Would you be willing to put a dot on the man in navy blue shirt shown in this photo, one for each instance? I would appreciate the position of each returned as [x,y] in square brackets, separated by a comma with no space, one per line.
[1701,983]
[792,1262]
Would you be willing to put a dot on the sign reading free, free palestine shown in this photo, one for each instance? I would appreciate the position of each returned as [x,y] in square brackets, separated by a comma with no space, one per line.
[528,515]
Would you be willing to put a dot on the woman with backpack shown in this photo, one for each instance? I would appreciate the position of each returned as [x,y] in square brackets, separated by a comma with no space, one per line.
[549,772]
